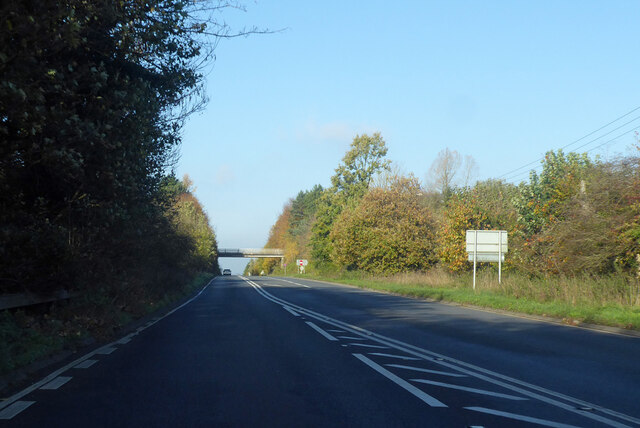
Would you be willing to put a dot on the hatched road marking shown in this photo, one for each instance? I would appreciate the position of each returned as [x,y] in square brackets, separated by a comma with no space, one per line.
[401,357]
[542,395]
[520,417]
[419,369]
[321,331]
[473,390]
[401,382]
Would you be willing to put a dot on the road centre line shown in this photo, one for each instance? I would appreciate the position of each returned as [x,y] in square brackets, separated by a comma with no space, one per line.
[17,396]
[321,331]
[458,365]
[467,389]
[543,422]
[433,402]
[419,369]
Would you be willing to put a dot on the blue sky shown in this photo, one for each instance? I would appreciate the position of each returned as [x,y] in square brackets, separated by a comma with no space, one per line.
[501,81]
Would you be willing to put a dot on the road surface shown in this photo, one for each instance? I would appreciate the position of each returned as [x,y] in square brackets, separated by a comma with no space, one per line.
[249,352]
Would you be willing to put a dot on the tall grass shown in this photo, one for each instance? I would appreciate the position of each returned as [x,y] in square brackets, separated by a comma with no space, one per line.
[584,290]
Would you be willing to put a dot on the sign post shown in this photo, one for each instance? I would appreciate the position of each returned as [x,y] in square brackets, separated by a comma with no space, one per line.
[486,246]
[301,264]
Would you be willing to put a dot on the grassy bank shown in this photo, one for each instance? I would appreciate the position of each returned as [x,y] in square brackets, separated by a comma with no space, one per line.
[612,301]
[33,333]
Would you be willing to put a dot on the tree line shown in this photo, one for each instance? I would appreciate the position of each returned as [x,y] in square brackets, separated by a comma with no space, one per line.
[577,216]
[93,96]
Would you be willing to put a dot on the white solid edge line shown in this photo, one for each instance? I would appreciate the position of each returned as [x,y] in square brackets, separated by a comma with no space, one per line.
[16,407]
[431,401]
[291,311]
[17,396]
[420,369]
[321,331]
[429,355]
[472,390]
[522,418]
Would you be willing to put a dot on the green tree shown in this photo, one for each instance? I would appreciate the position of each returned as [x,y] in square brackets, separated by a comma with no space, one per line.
[360,164]
[539,201]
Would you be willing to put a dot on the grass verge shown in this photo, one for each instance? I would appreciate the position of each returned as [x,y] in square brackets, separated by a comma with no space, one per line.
[610,301]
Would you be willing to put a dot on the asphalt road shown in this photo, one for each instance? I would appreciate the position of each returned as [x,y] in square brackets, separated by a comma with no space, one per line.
[281,352]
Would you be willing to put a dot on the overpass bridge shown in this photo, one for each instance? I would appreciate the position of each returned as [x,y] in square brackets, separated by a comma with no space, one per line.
[251,253]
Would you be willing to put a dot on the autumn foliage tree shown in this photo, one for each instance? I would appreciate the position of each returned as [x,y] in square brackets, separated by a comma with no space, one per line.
[462,213]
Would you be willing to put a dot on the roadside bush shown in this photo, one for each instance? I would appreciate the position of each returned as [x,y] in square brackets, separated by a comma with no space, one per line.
[389,231]
[462,213]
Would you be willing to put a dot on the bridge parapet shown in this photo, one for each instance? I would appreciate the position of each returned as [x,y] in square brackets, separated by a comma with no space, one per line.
[251,252]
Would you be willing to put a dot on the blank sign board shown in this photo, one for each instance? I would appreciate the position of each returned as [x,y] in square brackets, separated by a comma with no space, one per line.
[488,242]
[486,246]
[485,257]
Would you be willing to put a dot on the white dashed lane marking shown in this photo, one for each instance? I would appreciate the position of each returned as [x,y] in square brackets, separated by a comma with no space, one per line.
[14,405]
[126,339]
[15,408]
[106,350]
[85,364]
[57,382]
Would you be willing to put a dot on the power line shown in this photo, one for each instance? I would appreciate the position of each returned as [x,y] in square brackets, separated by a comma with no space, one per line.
[613,139]
[580,139]
[591,149]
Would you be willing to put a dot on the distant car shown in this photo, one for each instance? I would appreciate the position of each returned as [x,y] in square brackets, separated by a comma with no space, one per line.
[226,271]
